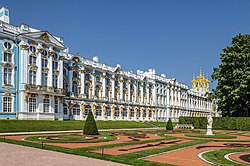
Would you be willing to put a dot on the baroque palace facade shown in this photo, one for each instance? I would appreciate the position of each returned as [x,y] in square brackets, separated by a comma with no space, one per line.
[41,80]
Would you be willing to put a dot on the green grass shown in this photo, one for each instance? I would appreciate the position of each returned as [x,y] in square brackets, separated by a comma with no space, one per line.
[72,138]
[217,156]
[131,159]
[45,125]
[163,124]
[216,135]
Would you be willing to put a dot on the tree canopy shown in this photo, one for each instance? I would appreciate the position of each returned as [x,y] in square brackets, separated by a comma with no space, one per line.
[233,75]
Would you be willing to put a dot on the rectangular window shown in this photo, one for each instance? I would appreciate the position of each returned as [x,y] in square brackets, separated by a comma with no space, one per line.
[7,104]
[55,65]
[32,60]
[7,76]
[32,104]
[44,63]
[65,109]
[32,77]
[55,81]
[56,106]
[7,57]
[45,105]
[44,79]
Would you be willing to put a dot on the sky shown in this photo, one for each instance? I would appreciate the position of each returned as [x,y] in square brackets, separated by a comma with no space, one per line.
[175,37]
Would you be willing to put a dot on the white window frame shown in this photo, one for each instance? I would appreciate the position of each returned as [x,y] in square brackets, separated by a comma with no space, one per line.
[11,77]
[44,79]
[56,104]
[32,77]
[8,104]
[31,106]
[46,105]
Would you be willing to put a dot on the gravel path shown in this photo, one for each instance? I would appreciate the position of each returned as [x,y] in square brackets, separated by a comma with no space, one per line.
[15,155]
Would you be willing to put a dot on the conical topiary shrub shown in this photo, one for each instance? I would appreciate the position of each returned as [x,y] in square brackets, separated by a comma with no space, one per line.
[90,127]
[169,125]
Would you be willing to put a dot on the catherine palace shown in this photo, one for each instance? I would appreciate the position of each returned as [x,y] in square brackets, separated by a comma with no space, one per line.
[40,79]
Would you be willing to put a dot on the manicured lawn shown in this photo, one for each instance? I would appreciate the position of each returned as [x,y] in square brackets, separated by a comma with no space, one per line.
[217,156]
[72,138]
[163,124]
[44,125]
[131,159]
[216,135]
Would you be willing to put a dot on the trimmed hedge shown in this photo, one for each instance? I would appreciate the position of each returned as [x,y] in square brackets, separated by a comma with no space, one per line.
[219,123]
[169,125]
[90,127]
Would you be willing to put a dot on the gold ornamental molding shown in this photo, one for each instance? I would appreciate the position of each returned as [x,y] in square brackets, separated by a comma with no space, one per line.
[24,47]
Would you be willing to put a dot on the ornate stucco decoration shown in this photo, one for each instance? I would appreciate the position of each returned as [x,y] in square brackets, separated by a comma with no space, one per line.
[24,47]
[44,37]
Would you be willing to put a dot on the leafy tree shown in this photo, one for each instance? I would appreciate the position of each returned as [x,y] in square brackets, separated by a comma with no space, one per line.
[233,75]
[169,125]
[90,127]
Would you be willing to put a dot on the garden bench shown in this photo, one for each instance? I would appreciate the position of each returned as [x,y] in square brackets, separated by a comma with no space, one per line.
[184,126]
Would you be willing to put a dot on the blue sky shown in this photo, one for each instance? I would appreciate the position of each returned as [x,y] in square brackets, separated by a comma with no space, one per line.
[174,37]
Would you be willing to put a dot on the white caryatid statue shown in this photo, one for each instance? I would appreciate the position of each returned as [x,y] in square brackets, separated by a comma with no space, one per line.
[209,125]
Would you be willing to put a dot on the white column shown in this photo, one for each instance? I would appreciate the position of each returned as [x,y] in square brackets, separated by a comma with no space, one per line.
[60,75]
[148,99]
[121,90]
[141,89]
[172,95]
[129,91]
[39,69]
[24,62]
[52,104]
[136,92]
[70,81]
[82,83]
[179,97]
[104,85]
[93,85]
[154,95]
[50,74]
[113,87]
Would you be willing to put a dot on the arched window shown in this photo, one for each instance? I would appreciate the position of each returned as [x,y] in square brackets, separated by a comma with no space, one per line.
[75,88]
[86,110]
[108,112]
[124,95]
[117,113]
[7,56]
[132,113]
[55,56]
[32,49]
[44,53]
[75,74]
[7,45]
[98,111]
[76,109]
[144,114]
[86,90]
[116,93]
[124,113]
[87,77]
[97,91]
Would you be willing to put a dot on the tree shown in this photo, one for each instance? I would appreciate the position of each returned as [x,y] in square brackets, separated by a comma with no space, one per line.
[90,127]
[233,75]
[169,125]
